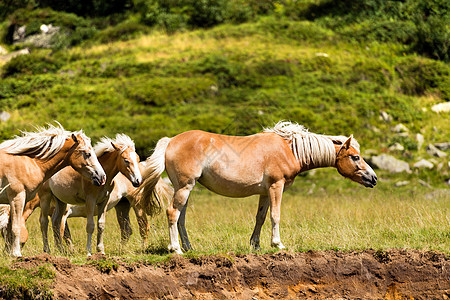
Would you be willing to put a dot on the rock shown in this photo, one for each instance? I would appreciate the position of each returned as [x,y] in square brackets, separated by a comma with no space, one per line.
[4,116]
[420,140]
[442,146]
[19,33]
[385,117]
[433,151]
[11,55]
[400,128]
[423,164]
[322,54]
[397,147]
[390,163]
[3,51]
[401,183]
[40,40]
[441,107]
[423,183]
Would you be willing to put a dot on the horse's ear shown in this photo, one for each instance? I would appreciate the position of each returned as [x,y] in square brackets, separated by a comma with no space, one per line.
[74,138]
[347,143]
[115,147]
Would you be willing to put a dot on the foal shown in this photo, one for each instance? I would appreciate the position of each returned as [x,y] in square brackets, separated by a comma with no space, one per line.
[239,166]
[68,187]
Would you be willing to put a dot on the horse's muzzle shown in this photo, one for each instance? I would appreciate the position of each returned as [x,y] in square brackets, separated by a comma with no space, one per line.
[99,179]
[370,180]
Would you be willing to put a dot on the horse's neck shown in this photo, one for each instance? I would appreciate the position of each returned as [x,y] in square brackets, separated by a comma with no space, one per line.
[59,161]
[109,164]
[322,164]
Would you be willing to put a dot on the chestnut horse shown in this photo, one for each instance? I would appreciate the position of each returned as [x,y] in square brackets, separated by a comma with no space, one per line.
[68,187]
[27,161]
[239,166]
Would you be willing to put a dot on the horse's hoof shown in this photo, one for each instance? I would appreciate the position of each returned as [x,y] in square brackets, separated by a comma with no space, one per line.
[177,250]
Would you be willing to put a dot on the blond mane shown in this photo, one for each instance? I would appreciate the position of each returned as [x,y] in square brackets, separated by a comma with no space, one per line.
[121,140]
[45,143]
[309,148]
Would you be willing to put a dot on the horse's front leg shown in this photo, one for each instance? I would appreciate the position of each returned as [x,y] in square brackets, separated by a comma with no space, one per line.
[275,194]
[17,203]
[90,224]
[144,226]
[263,206]
[101,221]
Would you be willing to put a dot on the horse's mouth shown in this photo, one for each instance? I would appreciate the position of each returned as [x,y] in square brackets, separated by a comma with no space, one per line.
[369,180]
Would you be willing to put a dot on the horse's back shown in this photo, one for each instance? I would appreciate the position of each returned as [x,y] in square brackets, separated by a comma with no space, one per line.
[233,166]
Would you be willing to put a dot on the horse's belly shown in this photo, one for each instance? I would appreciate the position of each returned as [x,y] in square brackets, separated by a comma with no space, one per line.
[232,186]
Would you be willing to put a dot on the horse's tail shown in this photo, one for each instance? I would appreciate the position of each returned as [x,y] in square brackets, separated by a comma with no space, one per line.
[4,218]
[152,192]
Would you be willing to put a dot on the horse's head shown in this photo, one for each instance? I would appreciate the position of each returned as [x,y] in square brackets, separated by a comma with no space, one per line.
[350,164]
[84,160]
[128,164]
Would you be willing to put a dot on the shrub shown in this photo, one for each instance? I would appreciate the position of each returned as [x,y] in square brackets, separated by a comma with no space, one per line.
[419,76]
[121,32]
[31,64]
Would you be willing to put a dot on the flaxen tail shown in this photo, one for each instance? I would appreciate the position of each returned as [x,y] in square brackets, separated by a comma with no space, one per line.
[4,218]
[153,191]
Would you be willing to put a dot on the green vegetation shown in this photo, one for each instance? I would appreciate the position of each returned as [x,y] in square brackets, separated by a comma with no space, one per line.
[27,283]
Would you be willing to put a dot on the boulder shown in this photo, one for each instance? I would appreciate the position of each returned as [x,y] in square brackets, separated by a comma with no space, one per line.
[442,146]
[4,116]
[3,51]
[401,183]
[441,107]
[433,151]
[385,117]
[390,163]
[397,147]
[11,55]
[420,140]
[423,164]
[399,128]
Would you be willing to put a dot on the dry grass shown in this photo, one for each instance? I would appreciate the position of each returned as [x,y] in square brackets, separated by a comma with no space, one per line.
[329,218]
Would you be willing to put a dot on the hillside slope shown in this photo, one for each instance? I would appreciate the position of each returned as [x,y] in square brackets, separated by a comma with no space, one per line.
[236,79]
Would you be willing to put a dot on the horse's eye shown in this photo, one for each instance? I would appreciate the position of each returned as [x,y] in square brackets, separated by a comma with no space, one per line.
[355,157]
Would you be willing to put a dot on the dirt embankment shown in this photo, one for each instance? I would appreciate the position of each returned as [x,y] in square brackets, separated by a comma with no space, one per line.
[395,274]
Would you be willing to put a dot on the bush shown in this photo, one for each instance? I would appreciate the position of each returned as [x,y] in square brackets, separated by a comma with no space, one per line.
[32,64]
[122,32]
[419,76]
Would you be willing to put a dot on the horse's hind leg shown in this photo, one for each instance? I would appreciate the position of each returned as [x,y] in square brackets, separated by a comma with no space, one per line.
[45,201]
[185,244]
[173,213]
[123,217]
[57,222]
[263,206]
[144,226]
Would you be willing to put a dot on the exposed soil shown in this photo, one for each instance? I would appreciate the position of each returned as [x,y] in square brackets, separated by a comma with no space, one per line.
[394,274]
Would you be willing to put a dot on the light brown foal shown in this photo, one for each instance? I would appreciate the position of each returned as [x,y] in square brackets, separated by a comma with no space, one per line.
[265,163]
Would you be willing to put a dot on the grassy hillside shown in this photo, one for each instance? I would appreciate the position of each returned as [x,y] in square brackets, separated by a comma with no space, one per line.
[235,79]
